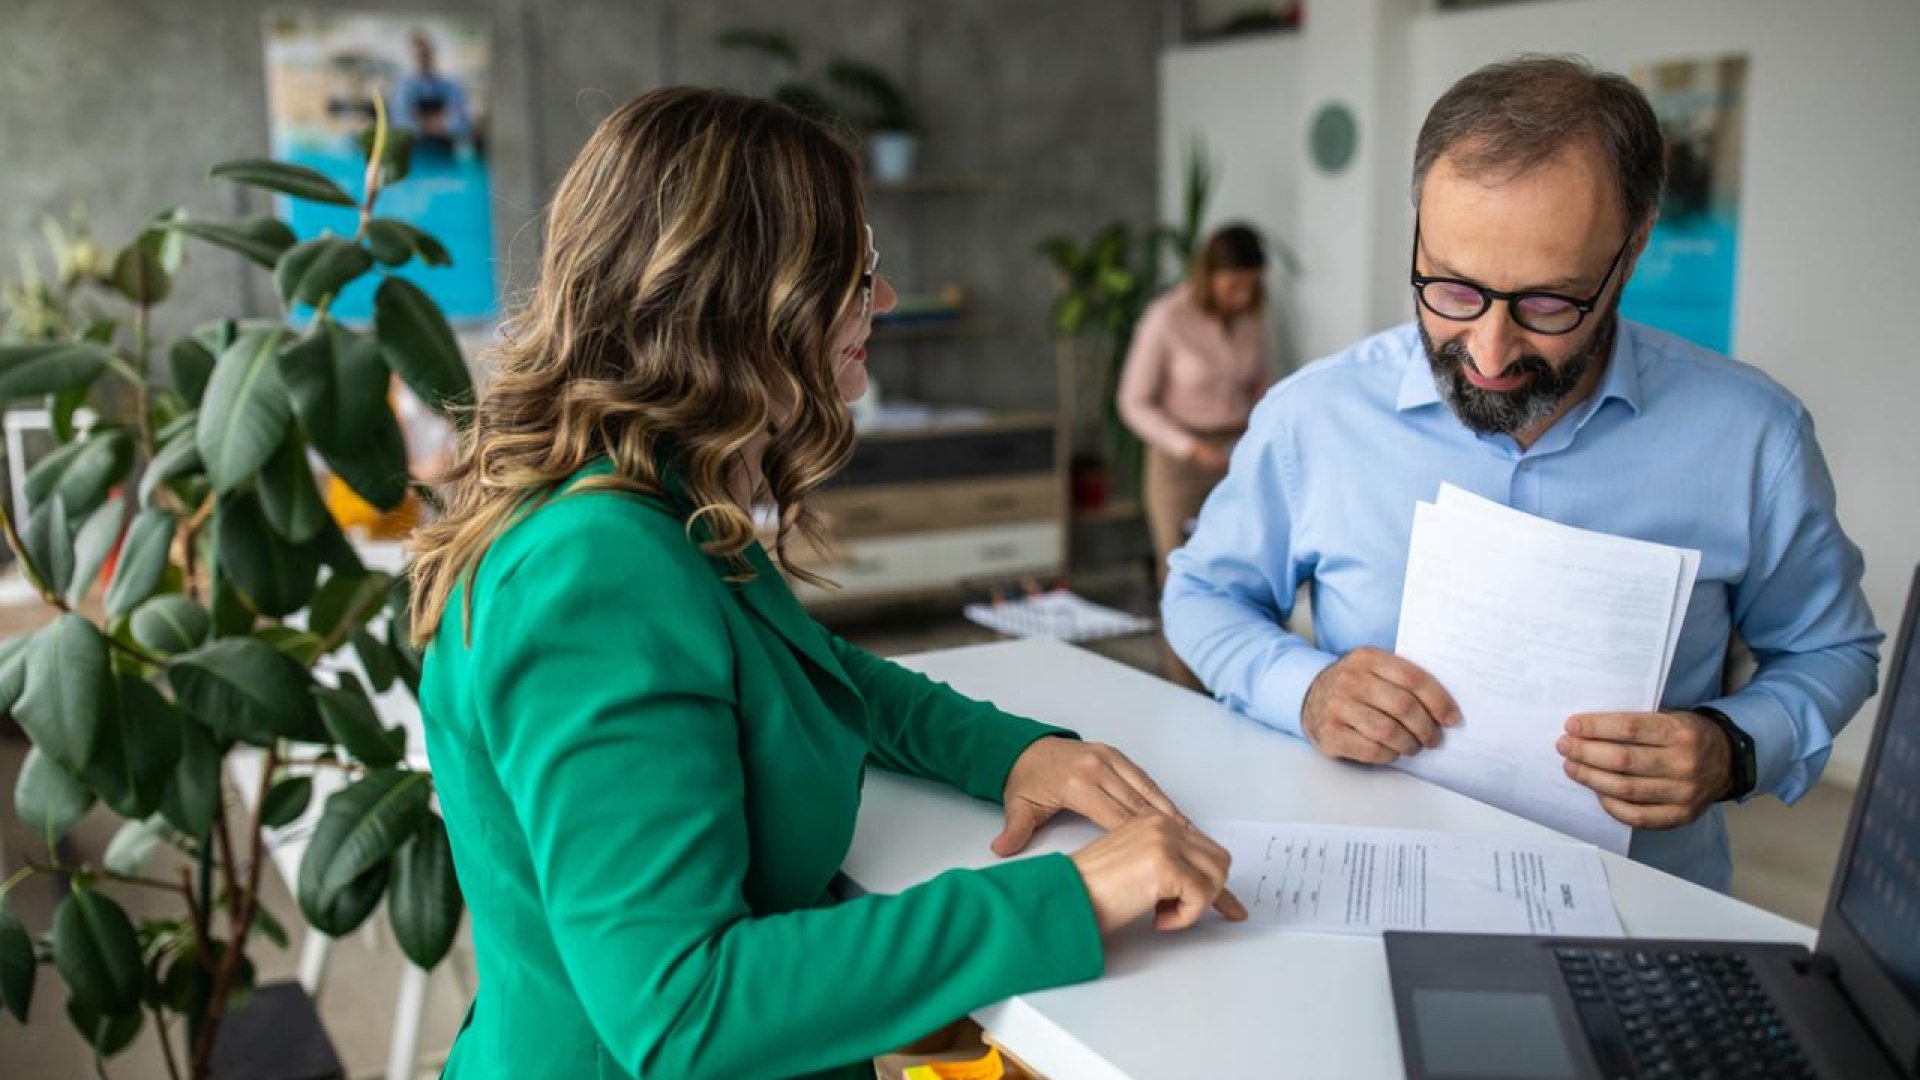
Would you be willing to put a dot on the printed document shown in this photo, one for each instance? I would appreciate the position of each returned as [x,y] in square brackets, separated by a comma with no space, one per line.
[1345,880]
[1527,622]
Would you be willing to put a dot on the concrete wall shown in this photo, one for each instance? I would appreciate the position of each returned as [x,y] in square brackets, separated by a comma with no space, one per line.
[122,105]
[1828,230]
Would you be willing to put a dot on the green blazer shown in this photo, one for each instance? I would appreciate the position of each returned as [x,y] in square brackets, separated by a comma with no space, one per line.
[650,776]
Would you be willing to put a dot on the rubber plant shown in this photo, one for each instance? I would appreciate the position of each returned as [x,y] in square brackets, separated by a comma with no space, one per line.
[223,635]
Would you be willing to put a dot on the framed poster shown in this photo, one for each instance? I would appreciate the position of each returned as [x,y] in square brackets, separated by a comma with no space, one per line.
[1685,280]
[433,72]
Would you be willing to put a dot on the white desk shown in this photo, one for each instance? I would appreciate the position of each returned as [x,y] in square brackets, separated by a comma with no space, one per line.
[1217,1000]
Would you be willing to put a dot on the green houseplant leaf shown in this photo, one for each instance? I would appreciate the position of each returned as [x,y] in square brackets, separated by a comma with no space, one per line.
[137,749]
[286,801]
[295,180]
[419,345]
[94,542]
[134,844]
[311,272]
[288,496]
[49,544]
[36,370]
[245,689]
[425,903]
[245,413]
[350,717]
[97,952]
[338,384]
[191,364]
[67,693]
[80,473]
[49,799]
[169,624]
[347,600]
[394,242]
[179,457]
[139,277]
[107,1033]
[194,794]
[263,238]
[276,577]
[143,559]
[17,964]
[361,828]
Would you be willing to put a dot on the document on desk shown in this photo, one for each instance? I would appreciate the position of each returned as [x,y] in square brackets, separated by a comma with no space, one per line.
[1346,880]
[1527,622]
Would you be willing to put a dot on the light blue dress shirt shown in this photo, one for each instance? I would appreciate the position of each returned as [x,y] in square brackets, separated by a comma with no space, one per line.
[1677,445]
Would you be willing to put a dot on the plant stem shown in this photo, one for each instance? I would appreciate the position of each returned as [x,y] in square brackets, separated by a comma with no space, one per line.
[248,904]
[142,392]
[166,1043]
[19,876]
[99,872]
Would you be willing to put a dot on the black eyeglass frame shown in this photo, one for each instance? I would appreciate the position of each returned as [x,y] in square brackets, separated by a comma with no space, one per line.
[1488,296]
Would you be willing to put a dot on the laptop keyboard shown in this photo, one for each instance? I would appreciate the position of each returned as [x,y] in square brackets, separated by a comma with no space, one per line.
[1693,1014]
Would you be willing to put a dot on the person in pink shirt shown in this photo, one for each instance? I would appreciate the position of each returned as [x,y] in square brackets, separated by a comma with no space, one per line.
[1201,358]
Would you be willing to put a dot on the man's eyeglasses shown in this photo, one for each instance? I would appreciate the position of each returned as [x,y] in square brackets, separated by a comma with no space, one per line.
[1542,312]
[867,277]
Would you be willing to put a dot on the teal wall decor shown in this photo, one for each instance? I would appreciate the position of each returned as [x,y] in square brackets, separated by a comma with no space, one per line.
[1334,137]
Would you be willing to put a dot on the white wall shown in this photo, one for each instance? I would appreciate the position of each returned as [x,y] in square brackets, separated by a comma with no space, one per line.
[1828,279]
[1237,96]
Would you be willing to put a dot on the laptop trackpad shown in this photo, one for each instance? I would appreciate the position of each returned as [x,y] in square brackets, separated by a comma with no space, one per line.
[1482,1033]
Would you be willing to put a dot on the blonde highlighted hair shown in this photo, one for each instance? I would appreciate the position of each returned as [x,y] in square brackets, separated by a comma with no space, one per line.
[700,252]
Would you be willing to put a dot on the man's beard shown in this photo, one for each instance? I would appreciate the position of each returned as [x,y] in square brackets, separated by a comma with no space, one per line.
[1498,412]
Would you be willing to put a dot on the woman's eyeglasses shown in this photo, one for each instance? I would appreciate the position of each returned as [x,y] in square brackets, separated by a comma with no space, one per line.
[1542,312]
[867,277]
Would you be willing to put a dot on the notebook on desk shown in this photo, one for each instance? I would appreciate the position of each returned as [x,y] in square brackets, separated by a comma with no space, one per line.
[1479,1006]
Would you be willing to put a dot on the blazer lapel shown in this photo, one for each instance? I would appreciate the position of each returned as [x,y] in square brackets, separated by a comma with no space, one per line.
[769,598]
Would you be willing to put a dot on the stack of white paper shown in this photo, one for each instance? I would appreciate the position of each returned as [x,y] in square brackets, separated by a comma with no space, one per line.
[1527,622]
[1056,613]
[1345,880]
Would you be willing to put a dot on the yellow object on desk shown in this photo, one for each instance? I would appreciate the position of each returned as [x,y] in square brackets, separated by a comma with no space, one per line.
[989,1067]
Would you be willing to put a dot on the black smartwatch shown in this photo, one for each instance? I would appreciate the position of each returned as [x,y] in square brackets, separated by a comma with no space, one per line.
[1744,768]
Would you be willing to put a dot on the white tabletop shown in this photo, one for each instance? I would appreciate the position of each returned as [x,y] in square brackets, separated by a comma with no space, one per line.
[1220,999]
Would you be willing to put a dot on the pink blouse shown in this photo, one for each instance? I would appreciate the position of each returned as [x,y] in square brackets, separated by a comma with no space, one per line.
[1186,372]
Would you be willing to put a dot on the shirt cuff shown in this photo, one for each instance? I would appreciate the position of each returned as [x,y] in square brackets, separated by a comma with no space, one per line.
[1283,689]
[1775,740]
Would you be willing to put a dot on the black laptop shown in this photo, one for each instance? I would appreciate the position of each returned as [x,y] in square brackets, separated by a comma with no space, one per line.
[1478,1007]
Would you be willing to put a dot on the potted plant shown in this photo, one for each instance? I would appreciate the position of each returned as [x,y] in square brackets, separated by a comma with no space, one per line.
[230,584]
[861,98]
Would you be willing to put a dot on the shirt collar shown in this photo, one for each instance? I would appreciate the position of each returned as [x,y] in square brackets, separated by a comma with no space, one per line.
[1621,379]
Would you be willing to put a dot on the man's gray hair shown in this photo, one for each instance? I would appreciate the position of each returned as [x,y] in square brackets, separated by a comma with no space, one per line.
[1511,117]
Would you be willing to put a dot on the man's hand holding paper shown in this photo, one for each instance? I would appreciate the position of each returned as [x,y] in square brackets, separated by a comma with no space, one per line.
[1657,770]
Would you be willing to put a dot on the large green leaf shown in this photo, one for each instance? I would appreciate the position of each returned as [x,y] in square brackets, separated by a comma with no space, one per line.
[311,272]
[288,495]
[139,277]
[97,952]
[143,559]
[425,904]
[194,794]
[134,843]
[49,800]
[191,364]
[285,801]
[137,750]
[360,829]
[419,345]
[80,473]
[263,238]
[338,384]
[349,600]
[303,647]
[169,624]
[339,913]
[67,695]
[177,458]
[295,180]
[350,718]
[49,543]
[36,370]
[375,658]
[277,577]
[245,413]
[227,607]
[107,1033]
[95,541]
[17,964]
[394,242]
[13,669]
[245,689]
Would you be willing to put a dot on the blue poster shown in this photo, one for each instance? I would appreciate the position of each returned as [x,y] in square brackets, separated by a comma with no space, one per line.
[432,73]
[1684,282]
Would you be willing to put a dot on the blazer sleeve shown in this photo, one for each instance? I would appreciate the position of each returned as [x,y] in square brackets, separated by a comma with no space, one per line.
[612,726]
[926,728]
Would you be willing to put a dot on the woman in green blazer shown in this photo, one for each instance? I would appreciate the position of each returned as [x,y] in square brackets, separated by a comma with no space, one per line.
[648,755]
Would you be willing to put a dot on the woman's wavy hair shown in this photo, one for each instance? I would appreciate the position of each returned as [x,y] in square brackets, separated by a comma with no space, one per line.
[700,252]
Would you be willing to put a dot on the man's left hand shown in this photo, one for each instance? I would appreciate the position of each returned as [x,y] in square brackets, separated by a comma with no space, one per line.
[1651,770]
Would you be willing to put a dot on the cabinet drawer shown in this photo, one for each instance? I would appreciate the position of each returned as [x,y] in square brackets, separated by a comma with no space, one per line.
[941,559]
[889,509]
[965,454]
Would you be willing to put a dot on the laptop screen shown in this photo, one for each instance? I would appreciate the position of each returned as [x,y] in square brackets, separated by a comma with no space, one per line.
[1880,894]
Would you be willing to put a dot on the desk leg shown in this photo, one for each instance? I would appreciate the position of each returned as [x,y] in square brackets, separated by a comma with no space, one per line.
[403,1057]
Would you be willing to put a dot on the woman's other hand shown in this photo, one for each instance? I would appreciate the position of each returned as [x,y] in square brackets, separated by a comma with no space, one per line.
[1156,864]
